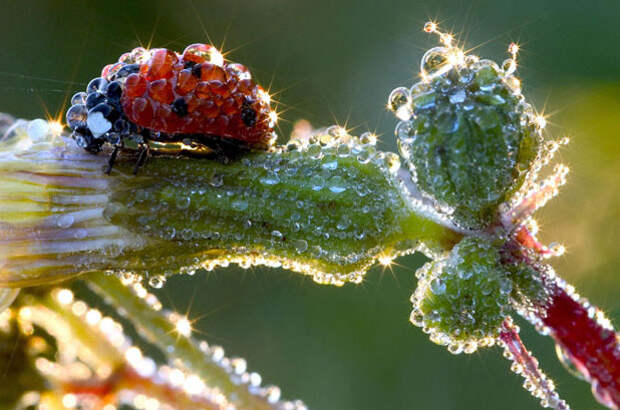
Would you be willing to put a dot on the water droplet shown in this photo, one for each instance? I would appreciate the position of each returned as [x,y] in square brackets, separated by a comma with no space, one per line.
[434,60]
[315,151]
[393,162]
[317,182]
[424,100]
[368,138]
[255,379]
[509,66]
[300,245]
[37,129]
[217,353]
[169,232]
[447,122]
[564,358]
[330,165]
[458,96]
[272,394]
[270,179]
[65,221]
[344,223]
[455,348]
[187,234]
[343,150]
[182,202]
[513,83]
[417,318]
[438,287]
[239,365]
[363,157]
[79,98]
[239,205]
[399,102]
[505,286]
[336,184]
[157,282]
[487,119]
[217,180]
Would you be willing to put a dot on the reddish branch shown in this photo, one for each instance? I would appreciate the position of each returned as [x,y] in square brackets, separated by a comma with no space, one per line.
[592,348]
[106,391]
[588,340]
[527,366]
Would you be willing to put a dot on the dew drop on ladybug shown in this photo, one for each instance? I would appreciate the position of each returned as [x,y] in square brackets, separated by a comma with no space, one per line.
[162,96]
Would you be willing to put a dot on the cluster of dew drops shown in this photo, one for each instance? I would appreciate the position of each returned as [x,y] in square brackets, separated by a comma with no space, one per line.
[320,154]
[439,60]
[70,365]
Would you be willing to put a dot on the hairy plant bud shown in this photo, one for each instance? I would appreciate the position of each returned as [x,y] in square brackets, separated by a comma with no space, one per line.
[461,300]
[467,134]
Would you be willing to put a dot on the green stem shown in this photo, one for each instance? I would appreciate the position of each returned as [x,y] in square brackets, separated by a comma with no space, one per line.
[318,212]
[69,328]
[159,330]
[330,209]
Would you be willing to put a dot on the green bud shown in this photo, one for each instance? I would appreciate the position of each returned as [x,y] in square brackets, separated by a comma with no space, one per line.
[529,292]
[462,299]
[471,138]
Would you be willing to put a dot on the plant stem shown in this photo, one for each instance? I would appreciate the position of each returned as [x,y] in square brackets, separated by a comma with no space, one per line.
[526,365]
[126,378]
[159,330]
[587,340]
[328,209]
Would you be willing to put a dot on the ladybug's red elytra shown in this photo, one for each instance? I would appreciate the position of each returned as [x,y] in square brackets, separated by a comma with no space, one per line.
[162,96]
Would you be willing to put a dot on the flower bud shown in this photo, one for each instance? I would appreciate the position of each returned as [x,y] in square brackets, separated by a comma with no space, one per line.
[461,300]
[471,138]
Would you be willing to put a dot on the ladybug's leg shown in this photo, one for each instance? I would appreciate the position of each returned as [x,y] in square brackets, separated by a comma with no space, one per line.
[144,151]
[224,150]
[111,160]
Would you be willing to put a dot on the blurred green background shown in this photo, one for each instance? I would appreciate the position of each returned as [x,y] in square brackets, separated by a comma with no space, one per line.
[336,61]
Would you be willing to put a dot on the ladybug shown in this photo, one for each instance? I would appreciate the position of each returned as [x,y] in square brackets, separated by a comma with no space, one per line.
[157,95]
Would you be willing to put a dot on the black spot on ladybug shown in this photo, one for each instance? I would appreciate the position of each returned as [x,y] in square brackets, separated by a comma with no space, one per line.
[197,70]
[179,107]
[248,114]
[189,64]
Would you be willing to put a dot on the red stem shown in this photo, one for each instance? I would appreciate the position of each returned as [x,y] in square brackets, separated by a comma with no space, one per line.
[587,338]
[106,391]
[591,345]
[527,366]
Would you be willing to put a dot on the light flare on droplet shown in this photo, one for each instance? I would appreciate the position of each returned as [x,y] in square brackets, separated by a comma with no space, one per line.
[183,326]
